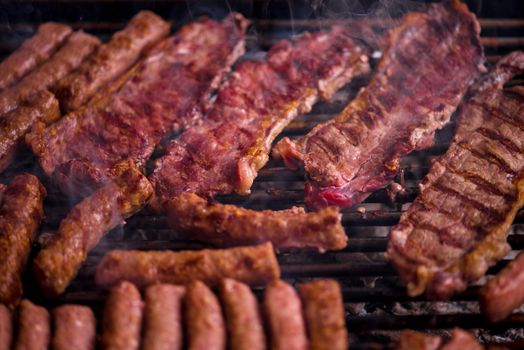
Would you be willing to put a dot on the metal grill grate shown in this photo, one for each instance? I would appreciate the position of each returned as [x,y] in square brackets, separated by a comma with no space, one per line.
[376,303]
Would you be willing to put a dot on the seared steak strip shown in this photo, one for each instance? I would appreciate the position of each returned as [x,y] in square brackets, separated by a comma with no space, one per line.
[34,327]
[77,47]
[122,319]
[74,328]
[162,94]
[203,318]
[229,225]
[20,215]
[425,70]
[260,98]
[505,292]
[6,328]
[244,324]
[255,266]
[285,320]
[32,52]
[111,59]
[59,261]
[163,317]
[324,313]
[42,107]
[457,227]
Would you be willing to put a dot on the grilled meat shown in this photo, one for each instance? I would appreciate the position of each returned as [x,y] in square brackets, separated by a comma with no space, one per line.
[424,72]
[111,60]
[76,48]
[204,320]
[33,52]
[122,319]
[244,324]
[283,311]
[163,317]
[34,327]
[229,225]
[59,261]
[6,328]
[412,340]
[74,328]
[20,215]
[505,292]
[261,97]
[457,227]
[324,313]
[42,108]
[462,340]
[255,266]
[160,95]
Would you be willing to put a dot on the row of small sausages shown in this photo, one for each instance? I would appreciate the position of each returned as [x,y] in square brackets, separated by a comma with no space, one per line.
[192,316]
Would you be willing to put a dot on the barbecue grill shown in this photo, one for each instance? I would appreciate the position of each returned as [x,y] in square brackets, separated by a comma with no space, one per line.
[377,306]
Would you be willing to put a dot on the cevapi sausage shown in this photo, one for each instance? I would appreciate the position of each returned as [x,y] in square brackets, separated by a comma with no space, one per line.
[74,328]
[34,328]
[6,328]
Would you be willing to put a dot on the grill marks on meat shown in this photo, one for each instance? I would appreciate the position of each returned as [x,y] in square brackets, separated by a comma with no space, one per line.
[20,215]
[111,60]
[74,328]
[34,327]
[33,52]
[224,153]
[229,225]
[431,60]
[76,48]
[42,107]
[59,261]
[255,266]
[457,227]
[159,96]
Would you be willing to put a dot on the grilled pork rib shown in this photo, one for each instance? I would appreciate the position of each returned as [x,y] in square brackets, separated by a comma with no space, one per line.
[157,97]
[425,70]
[261,97]
[457,227]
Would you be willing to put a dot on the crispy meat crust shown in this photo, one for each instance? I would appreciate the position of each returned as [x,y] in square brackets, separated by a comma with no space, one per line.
[34,327]
[261,97]
[457,227]
[59,261]
[163,317]
[325,315]
[203,318]
[74,328]
[111,60]
[32,52]
[285,321]
[122,319]
[244,324]
[431,59]
[20,215]
[76,48]
[255,266]
[163,93]
[229,225]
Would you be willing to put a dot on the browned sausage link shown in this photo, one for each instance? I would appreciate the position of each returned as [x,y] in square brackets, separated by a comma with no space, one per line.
[462,340]
[34,329]
[324,313]
[74,328]
[505,292]
[412,340]
[111,59]
[244,324]
[59,261]
[77,47]
[6,328]
[20,215]
[32,52]
[163,317]
[203,318]
[122,318]
[285,321]
[41,107]
[255,266]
